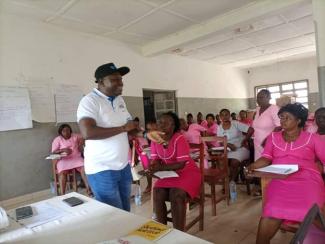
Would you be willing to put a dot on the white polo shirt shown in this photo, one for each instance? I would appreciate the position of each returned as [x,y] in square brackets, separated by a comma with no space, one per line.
[110,153]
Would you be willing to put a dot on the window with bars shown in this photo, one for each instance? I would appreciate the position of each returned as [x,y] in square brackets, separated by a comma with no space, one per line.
[297,89]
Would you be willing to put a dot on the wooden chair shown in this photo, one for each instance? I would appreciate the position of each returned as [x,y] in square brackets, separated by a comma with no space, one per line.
[218,173]
[200,199]
[312,229]
[71,179]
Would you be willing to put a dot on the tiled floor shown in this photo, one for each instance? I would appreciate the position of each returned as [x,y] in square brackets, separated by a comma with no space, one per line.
[233,224]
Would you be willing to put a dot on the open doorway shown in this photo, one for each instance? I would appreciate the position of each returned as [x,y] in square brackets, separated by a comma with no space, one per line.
[157,102]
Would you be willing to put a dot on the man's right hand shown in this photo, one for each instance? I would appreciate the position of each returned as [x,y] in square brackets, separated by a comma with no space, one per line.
[131,125]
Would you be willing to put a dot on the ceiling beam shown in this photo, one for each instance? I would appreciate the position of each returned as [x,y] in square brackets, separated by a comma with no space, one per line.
[62,10]
[248,12]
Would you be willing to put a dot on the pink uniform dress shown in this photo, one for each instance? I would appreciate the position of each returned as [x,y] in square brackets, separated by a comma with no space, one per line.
[193,134]
[140,143]
[178,150]
[72,161]
[322,137]
[263,125]
[246,121]
[291,198]
[310,125]
[212,130]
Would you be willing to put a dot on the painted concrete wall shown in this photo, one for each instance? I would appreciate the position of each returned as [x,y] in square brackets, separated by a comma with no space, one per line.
[42,53]
[285,71]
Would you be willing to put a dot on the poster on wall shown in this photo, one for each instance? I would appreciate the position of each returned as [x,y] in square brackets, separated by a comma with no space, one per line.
[67,98]
[42,101]
[15,109]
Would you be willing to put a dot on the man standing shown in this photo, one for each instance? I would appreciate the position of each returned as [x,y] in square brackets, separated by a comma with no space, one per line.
[104,123]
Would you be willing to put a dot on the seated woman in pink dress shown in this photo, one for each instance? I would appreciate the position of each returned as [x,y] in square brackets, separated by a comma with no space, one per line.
[290,199]
[173,154]
[320,125]
[199,118]
[192,132]
[189,119]
[211,129]
[218,120]
[310,125]
[210,125]
[243,118]
[70,145]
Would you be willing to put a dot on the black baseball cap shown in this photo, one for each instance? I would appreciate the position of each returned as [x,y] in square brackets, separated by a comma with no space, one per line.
[108,69]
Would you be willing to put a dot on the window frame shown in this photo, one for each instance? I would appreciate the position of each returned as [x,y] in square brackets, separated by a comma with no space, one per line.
[266,86]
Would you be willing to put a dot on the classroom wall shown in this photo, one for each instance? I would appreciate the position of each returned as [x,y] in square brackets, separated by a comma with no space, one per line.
[43,53]
[209,105]
[285,71]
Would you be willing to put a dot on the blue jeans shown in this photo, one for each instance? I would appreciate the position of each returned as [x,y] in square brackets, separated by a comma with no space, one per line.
[112,187]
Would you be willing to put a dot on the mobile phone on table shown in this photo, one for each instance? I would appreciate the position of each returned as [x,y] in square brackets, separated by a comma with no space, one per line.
[73,201]
[24,212]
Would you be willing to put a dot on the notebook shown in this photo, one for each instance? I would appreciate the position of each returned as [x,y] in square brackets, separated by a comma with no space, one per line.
[166,174]
[147,233]
[220,149]
[282,169]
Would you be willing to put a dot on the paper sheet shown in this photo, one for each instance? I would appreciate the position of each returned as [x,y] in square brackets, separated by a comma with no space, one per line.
[282,169]
[42,214]
[53,156]
[15,109]
[67,98]
[42,101]
[128,240]
[220,149]
[166,174]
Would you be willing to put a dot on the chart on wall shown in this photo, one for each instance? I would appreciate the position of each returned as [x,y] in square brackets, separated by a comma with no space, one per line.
[15,109]
[42,101]
[67,98]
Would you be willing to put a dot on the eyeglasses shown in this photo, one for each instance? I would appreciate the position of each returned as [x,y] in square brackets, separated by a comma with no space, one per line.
[286,117]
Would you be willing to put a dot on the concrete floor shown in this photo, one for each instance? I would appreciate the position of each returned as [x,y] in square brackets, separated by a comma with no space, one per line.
[236,223]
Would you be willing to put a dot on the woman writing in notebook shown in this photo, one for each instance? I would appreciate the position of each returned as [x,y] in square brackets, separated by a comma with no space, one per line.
[290,199]
[70,146]
[173,155]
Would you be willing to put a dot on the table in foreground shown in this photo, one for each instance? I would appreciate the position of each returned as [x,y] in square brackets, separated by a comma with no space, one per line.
[91,222]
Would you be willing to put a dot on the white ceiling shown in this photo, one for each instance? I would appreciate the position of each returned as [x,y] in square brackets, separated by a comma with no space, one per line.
[280,34]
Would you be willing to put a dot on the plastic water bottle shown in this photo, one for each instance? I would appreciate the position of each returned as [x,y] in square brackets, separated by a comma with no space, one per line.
[137,197]
[233,191]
